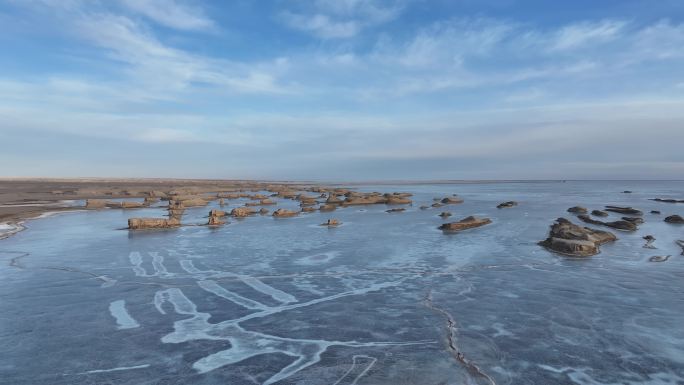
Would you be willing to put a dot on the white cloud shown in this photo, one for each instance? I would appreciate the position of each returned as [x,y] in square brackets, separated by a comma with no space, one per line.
[171,13]
[586,33]
[331,19]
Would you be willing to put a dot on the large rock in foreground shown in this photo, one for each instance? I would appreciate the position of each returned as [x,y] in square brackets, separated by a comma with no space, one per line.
[569,239]
[465,224]
[152,223]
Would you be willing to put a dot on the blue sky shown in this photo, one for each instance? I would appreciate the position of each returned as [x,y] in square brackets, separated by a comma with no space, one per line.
[342,90]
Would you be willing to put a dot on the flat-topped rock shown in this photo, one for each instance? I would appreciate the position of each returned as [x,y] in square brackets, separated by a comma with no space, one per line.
[96,203]
[284,213]
[570,239]
[328,207]
[241,212]
[624,210]
[152,223]
[465,224]
[309,209]
[217,213]
[397,210]
[599,213]
[506,205]
[668,200]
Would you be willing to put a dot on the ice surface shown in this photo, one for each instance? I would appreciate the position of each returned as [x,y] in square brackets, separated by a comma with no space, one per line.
[264,301]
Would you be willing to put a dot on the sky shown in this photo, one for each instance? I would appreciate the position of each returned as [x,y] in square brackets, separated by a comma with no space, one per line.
[342,89]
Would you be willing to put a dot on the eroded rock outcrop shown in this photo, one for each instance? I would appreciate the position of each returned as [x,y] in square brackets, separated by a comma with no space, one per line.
[570,239]
[465,224]
[215,220]
[445,214]
[284,213]
[649,242]
[398,199]
[659,258]
[619,225]
[217,213]
[397,210]
[668,200]
[578,210]
[675,219]
[152,223]
[328,207]
[452,200]
[263,211]
[599,213]
[656,212]
[506,205]
[680,243]
[624,210]
[309,209]
[241,212]
[96,203]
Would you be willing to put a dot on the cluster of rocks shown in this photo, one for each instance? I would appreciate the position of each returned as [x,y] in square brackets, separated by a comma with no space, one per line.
[215,218]
[465,224]
[570,239]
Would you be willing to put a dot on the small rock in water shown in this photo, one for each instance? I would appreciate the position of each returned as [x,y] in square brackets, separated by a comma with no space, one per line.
[635,220]
[624,210]
[627,192]
[284,213]
[451,200]
[506,204]
[331,223]
[577,210]
[445,214]
[676,219]
[659,258]
[599,213]
[649,242]
[424,207]
[397,210]
[464,224]
[680,243]
[655,212]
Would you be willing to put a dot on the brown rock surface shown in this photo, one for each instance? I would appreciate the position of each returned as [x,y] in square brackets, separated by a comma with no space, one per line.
[152,223]
[451,200]
[619,225]
[96,203]
[624,210]
[241,212]
[507,204]
[676,219]
[465,224]
[569,239]
[284,213]
[577,210]
[331,223]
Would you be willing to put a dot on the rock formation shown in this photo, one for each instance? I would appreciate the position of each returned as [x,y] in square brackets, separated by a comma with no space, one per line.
[215,220]
[599,213]
[676,219]
[569,239]
[150,201]
[436,204]
[659,258]
[308,209]
[152,223]
[217,213]
[577,210]
[505,205]
[331,223]
[649,242]
[445,214]
[284,213]
[624,210]
[397,199]
[241,212]
[96,203]
[263,211]
[451,200]
[668,200]
[620,225]
[635,220]
[464,224]
[423,207]
[656,212]
[680,243]
[397,210]
[328,207]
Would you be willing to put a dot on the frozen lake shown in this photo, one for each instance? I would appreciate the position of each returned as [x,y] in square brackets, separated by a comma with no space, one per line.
[265,301]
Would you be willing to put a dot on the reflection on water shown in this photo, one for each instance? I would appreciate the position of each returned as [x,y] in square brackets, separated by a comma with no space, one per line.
[384,299]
